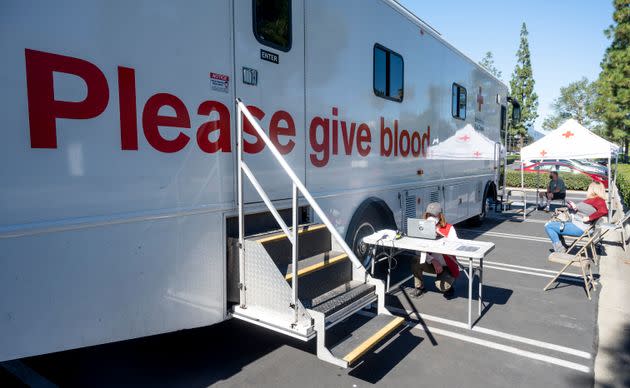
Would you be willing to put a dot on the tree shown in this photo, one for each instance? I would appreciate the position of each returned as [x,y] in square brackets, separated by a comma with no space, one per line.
[488,63]
[614,80]
[522,87]
[576,101]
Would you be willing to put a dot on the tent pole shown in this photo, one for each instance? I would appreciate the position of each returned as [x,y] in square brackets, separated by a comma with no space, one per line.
[609,192]
[523,187]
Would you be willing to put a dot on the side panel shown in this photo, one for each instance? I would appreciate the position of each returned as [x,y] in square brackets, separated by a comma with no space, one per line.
[340,97]
[102,241]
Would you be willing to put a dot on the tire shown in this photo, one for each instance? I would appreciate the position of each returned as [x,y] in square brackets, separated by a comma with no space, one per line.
[486,204]
[367,220]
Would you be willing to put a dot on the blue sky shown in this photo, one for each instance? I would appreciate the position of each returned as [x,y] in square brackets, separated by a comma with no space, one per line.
[566,37]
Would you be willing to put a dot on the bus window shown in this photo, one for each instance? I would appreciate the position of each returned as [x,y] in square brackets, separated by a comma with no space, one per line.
[459,102]
[388,74]
[272,23]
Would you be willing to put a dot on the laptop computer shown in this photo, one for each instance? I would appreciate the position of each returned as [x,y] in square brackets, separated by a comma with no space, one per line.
[421,228]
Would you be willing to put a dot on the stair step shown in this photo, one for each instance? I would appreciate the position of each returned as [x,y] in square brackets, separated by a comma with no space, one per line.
[371,332]
[342,297]
[315,263]
[313,239]
[279,234]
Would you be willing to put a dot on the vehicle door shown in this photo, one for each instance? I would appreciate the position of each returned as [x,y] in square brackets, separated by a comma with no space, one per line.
[269,72]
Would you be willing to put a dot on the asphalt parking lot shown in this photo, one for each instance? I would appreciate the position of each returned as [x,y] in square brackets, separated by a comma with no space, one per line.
[525,336]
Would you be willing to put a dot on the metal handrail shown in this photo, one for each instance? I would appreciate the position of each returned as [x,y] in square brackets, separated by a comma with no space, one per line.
[298,187]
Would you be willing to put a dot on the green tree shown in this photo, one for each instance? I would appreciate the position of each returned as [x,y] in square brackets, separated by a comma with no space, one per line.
[576,101]
[614,80]
[522,87]
[488,63]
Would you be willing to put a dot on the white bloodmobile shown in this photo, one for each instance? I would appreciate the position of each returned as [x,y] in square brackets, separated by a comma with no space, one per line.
[119,213]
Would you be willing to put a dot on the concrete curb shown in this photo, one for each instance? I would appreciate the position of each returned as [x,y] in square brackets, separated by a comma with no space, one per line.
[613,318]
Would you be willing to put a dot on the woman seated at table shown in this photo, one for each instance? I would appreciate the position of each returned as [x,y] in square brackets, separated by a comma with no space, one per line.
[588,211]
[444,266]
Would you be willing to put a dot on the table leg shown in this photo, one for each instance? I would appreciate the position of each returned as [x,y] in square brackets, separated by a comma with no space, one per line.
[480,285]
[470,285]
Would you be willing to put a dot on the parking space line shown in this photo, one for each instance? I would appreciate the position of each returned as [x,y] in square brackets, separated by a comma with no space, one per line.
[26,375]
[505,348]
[495,333]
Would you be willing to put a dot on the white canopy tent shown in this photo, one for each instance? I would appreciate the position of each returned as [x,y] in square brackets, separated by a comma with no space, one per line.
[571,141]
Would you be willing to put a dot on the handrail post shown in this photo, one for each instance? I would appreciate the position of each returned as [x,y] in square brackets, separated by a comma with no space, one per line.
[241,215]
[294,252]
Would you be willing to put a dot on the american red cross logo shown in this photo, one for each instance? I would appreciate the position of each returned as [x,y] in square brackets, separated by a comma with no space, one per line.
[568,134]
[479,100]
[543,153]
[464,138]
[477,154]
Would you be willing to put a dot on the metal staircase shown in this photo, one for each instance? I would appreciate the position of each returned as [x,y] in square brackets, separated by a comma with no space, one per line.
[303,280]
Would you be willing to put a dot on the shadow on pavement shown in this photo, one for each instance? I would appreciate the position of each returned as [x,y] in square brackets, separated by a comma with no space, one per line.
[377,365]
[187,358]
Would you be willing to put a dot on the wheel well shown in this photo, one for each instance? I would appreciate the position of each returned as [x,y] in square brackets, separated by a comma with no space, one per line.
[491,190]
[377,204]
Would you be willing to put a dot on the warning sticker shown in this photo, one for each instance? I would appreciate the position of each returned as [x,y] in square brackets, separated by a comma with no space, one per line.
[219,82]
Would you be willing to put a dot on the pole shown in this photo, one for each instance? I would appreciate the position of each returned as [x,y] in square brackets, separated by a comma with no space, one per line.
[609,192]
[241,215]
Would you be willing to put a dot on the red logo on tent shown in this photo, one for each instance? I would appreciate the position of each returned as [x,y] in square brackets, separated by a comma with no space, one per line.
[464,138]
[543,153]
[568,134]
[477,154]
[479,100]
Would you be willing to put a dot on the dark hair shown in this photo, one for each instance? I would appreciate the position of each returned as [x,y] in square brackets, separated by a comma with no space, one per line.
[441,219]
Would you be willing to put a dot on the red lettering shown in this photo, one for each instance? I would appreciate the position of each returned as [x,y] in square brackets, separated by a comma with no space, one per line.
[385,131]
[275,130]
[127,106]
[348,138]
[416,144]
[426,138]
[364,136]
[321,148]
[259,145]
[151,121]
[43,109]
[395,141]
[223,143]
[404,144]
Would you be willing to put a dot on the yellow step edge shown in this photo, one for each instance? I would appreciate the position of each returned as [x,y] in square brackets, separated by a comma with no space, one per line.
[373,340]
[281,235]
[318,266]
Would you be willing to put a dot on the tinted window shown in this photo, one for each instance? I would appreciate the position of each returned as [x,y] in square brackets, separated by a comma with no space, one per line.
[380,72]
[272,23]
[458,101]
[388,74]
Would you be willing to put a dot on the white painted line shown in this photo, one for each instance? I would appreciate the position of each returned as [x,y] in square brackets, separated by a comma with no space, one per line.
[505,348]
[496,333]
[26,375]
[543,275]
[528,268]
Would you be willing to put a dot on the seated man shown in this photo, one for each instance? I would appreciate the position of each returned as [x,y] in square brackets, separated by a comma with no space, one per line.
[555,190]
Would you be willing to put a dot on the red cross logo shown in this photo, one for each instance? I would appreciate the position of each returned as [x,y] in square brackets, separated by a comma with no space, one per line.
[543,153]
[477,154]
[479,100]
[568,134]
[464,138]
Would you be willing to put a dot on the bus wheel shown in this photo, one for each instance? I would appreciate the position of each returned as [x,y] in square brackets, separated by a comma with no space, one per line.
[486,204]
[366,221]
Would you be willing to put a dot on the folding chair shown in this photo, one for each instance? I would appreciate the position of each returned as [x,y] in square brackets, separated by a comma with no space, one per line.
[521,195]
[617,226]
[580,259]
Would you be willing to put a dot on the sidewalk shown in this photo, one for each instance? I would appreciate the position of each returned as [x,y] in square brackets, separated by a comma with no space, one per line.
[612,363]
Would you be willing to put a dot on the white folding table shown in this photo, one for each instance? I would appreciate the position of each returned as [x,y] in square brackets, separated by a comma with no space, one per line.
[461,249]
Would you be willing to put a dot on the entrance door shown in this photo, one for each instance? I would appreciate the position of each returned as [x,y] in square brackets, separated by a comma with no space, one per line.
[269,72]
